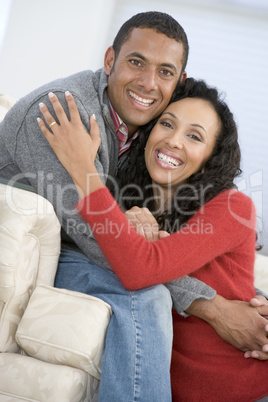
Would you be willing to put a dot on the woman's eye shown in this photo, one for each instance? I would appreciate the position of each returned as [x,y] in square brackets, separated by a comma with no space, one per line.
[166,124]
[195,137]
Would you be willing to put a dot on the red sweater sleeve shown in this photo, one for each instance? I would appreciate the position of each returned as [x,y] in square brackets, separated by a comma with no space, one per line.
[219,227]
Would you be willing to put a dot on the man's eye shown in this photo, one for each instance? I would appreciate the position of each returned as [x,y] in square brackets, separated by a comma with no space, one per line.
[166,73]
[135,62]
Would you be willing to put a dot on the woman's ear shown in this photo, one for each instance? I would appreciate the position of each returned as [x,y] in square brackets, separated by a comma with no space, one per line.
[109,59]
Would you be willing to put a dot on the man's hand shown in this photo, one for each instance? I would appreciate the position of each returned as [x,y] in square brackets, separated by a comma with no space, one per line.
[236,322]
[261,303]
[145,223]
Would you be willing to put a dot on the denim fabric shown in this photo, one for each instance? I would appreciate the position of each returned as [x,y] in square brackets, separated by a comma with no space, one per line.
[136,359]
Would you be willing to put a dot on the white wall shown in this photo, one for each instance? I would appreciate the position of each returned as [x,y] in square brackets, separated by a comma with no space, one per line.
[51,39]
[228,48]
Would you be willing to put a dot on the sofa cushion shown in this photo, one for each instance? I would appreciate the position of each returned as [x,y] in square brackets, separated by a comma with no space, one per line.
[65,327]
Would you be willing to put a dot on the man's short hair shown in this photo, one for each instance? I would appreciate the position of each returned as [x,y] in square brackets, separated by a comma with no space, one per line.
[159,22]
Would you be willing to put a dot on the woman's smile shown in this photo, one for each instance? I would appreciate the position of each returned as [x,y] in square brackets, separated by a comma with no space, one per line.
[168,160]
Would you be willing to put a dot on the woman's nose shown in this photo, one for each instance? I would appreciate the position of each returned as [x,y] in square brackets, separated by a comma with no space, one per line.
[175,141]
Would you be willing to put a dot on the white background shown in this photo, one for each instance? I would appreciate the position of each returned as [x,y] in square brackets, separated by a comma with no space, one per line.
[40,41]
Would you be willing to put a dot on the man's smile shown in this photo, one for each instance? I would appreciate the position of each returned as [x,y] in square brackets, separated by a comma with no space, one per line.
[140,100]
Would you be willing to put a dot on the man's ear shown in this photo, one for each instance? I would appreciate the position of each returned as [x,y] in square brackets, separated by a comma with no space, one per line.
[183,77]
[109,58]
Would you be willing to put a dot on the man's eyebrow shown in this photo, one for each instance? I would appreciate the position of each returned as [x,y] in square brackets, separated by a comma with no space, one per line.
[192,124]
[140,56]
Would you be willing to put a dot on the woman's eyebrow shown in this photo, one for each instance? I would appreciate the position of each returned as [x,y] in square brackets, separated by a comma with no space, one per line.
[198,125]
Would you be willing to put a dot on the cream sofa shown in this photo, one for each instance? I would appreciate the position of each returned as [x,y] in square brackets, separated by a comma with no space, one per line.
[51,340]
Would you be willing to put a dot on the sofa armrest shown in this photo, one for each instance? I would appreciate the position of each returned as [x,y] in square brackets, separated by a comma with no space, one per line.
[29,252]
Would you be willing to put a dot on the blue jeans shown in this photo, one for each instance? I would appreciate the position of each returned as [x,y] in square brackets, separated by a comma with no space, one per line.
[137,355]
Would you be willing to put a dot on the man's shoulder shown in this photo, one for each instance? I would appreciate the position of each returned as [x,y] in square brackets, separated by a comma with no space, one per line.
[82,80]
[84,85]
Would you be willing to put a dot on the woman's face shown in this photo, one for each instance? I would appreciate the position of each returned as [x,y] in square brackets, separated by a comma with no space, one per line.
[181,141]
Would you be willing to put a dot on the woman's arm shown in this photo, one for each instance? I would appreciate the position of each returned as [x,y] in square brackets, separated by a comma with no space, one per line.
[139,263]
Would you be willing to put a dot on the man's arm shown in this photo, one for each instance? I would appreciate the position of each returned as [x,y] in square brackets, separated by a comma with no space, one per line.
[185,291]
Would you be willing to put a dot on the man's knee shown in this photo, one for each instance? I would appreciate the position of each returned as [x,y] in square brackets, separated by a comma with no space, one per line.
[158,298]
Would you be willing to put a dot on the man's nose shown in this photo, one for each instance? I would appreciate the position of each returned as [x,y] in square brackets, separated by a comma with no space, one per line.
[148,79]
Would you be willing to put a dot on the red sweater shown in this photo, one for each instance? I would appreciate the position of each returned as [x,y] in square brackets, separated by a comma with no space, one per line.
[217,246]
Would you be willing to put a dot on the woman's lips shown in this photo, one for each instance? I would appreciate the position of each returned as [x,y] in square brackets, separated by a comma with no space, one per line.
[169,159]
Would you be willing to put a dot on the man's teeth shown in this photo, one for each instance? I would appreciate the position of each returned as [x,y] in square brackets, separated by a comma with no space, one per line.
[168,159]
[142,101]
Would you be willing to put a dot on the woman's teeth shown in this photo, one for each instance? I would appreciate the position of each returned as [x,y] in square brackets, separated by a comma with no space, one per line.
[141,101]
[168,159]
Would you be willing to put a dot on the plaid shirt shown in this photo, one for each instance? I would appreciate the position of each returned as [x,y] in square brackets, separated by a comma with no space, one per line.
[122,132]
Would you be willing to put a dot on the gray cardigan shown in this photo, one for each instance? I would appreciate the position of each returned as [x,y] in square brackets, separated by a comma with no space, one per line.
[26,157]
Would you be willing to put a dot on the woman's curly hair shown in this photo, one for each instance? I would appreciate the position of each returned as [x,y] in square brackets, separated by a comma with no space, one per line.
[217,175]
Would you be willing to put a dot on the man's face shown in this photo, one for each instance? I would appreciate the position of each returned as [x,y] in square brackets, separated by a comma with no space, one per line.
[144,76]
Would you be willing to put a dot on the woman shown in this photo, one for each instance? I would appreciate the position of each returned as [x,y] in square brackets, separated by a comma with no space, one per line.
[190,161]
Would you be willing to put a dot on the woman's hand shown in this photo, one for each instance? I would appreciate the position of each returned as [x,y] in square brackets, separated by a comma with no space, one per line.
[74,147]
[145,223]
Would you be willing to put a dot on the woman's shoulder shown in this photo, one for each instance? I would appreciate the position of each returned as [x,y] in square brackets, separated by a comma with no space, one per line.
[237,206]
[235,196]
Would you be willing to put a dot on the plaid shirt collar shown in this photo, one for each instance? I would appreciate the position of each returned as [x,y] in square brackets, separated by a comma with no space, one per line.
[122,131]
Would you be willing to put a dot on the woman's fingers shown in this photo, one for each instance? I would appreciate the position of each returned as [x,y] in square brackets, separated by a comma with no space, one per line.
[49,119]
[69,139]
[95,131]
[144,222]
[47,134]
[73,110]
[59,111]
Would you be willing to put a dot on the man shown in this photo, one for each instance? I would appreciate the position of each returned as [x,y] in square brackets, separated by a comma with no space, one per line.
[141,71]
